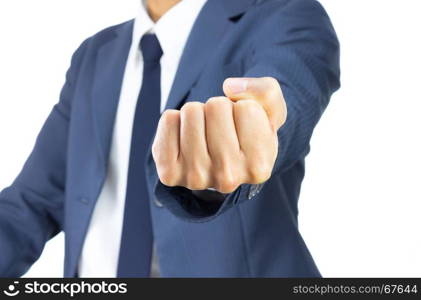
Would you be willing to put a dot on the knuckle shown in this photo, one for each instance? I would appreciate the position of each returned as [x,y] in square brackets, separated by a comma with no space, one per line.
[216,103]
[169,116]
[271,81]
[259,172]
[166,176]
[196,180]
[226,182]
[192,107]
[191,111]
[217,100]
[272,88]
[247,106]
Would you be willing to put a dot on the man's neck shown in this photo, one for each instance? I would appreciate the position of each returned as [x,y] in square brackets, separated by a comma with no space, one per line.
[157,8]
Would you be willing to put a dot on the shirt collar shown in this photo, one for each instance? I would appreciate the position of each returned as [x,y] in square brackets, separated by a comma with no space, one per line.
[172,29]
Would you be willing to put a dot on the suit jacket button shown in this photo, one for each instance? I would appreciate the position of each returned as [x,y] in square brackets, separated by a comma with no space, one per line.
[157,202]
[254,190]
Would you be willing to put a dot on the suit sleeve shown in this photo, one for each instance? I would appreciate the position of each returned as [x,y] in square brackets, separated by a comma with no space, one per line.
[305,61]
[31,208]
[297,45]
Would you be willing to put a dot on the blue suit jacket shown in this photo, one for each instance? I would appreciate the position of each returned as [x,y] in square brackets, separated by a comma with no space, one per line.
[254,231]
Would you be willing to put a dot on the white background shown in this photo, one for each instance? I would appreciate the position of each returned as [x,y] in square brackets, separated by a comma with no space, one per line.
[360,205]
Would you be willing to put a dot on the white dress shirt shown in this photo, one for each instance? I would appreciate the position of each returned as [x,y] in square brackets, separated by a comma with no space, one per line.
[101,248]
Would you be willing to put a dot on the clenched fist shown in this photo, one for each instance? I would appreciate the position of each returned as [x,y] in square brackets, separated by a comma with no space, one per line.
[224,142]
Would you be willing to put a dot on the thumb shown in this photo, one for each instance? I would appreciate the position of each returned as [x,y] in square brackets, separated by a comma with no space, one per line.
[264,90]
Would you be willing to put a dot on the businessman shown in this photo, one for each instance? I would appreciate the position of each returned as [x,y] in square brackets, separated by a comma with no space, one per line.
[177,146]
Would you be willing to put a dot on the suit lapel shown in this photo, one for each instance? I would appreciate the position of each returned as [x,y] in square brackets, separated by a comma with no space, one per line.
[113,48]
[109,73]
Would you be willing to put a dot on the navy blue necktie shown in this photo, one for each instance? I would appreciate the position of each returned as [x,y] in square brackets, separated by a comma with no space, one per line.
[136,240]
